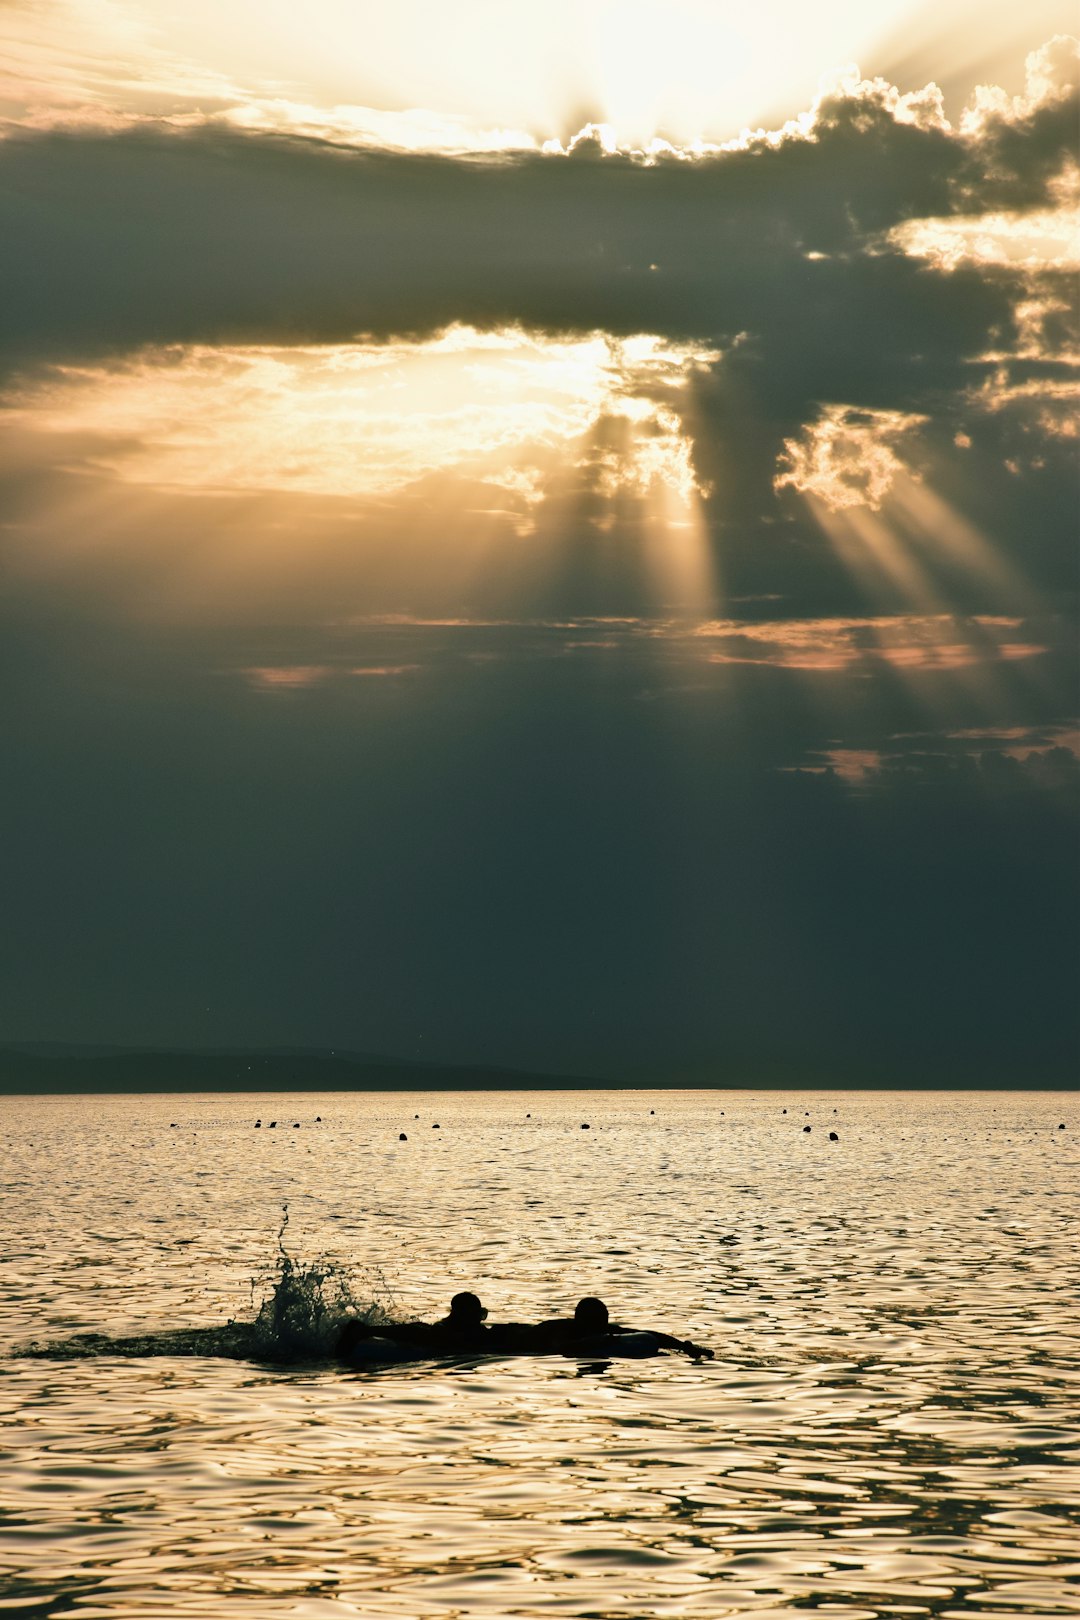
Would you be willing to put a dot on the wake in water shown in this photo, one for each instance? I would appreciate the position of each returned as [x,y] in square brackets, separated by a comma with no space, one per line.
[298,1319]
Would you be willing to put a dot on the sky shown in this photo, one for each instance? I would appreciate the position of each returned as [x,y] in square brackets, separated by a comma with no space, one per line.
[543,535]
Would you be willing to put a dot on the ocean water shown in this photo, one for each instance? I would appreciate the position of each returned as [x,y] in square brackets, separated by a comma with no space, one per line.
[888,1428]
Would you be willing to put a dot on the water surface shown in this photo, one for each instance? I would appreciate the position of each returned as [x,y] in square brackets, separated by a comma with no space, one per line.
[888,1428]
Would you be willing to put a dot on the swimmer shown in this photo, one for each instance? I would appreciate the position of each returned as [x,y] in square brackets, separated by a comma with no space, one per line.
[361,1344]
[592,1332]
[461,1330]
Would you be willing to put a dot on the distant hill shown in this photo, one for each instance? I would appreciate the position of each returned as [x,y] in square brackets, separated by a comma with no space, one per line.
[60,1069]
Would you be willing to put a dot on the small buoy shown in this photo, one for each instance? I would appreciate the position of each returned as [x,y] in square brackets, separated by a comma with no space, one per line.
[403,1137]
[833,1137]
[586,1127]
[807,1127]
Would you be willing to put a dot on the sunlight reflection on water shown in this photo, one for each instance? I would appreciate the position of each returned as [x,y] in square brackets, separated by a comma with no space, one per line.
[887,1429]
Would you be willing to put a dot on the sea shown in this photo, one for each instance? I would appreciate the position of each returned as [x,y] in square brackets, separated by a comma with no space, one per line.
[888,1427]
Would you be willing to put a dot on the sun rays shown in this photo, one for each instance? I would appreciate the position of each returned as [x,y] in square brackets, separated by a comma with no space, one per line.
[888,526]
[471,428]
[670,371]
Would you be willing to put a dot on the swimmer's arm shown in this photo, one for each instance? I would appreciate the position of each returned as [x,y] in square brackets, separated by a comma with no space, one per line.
[696,1352]
[665,1341]
[404,1332]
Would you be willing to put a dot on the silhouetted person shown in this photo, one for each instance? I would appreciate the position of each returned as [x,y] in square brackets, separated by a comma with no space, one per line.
[459,1332]
[463,1328]
[359,1342]
[591,1331]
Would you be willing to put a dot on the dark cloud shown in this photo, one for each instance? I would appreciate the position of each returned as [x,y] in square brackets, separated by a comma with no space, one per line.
[517,861]
[279,807]
[778,253]
[155,235]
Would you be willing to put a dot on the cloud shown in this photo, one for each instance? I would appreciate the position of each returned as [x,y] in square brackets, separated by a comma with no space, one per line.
[1038,241]
[316,863]
[847,458]
[370,419]
[165,234]
[849,278]
[905,642]
[935,768]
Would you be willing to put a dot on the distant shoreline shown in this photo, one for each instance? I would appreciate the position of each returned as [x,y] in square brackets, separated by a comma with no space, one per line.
[25,1071]
[42,1071]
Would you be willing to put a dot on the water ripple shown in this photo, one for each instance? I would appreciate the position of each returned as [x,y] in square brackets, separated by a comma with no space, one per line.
[888,1429]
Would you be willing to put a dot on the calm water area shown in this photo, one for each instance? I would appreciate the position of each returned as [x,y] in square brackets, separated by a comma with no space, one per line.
[889,1427]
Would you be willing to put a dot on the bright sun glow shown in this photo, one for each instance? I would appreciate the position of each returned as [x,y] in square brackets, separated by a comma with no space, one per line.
[504,421]
[365,419]
[479,72]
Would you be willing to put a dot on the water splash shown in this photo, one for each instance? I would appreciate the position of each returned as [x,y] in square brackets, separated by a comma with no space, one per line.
[297,1319]
[301,1317]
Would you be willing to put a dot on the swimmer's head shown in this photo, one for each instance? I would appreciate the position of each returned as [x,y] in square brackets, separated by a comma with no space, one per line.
[466,1310]
[591,1315]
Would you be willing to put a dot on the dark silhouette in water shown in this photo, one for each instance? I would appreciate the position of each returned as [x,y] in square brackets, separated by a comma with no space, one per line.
[360,1342]
[460,1332]
[591,1332]
[311,1314]
[463,1328]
